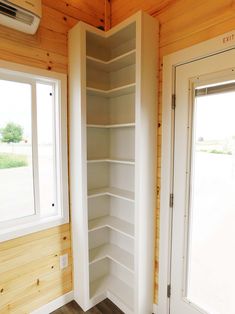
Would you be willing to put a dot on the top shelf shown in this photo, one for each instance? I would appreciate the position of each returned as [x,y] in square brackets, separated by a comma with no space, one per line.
[111,47]
[113,65]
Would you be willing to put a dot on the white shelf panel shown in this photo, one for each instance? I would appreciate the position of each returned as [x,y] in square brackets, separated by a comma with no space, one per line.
[116,287]
[113,252]
[114,223]
[114,64]
[123,194]
[115,92]
[112,160]
[111,126]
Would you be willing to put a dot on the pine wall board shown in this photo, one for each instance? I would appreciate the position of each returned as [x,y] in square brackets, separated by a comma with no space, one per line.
[183,23]
[30,275]
[47,49]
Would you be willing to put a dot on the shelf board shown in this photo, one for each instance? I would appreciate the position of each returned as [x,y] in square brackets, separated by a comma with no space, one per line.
[114,223]
[123,194]
[113,252]
[114,64]
[116,287]
[111,126]
[112,160]
[114,92]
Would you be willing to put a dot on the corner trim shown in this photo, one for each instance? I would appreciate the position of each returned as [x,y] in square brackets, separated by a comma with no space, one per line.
[155,311]
[55,304]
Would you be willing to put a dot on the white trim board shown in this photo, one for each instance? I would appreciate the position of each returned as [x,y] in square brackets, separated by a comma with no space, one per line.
[210,47]
[155,308]
[63,300]
[55,304]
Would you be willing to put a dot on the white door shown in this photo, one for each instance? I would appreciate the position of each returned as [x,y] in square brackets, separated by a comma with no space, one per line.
[203,232]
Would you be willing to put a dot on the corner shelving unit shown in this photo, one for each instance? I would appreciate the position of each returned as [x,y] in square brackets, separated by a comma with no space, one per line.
[112,162]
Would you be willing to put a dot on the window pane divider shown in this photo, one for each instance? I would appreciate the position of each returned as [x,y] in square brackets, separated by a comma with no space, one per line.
[35,151]
[55,147]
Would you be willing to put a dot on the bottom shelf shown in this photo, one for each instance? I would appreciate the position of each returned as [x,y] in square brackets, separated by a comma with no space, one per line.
[114,286]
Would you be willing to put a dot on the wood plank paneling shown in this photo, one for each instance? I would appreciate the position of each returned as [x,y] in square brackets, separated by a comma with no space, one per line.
[30,275]
[29,265]
[107,14]
[91,12]
[183,23]
[48,47]
[123,9]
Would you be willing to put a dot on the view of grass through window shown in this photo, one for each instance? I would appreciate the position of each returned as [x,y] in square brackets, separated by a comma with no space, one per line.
[16,174]
[12,161]
[27,178]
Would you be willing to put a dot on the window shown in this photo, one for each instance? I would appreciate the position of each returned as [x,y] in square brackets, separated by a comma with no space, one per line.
[211,257]
[33,151]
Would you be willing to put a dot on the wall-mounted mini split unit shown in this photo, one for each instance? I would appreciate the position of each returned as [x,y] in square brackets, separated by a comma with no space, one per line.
[22,15]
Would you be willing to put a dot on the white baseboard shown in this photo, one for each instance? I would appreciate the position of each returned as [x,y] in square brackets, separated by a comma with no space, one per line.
[55,304]
[63,300]
[155,309]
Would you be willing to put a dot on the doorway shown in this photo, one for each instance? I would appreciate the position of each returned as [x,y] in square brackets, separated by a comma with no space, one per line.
[203,184]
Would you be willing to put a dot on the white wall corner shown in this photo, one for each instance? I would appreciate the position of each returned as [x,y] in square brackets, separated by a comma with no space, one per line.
[155,311]
[55,304]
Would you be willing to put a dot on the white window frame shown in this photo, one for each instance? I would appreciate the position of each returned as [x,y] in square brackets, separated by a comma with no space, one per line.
[22,226]
[170,62]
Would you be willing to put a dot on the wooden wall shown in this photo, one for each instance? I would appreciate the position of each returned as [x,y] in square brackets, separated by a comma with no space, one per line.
[30,274]
[47,49]
[29,270]
[29,266]
[182,23]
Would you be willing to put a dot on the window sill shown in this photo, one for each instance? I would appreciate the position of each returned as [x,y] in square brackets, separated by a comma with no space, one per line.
[32,227]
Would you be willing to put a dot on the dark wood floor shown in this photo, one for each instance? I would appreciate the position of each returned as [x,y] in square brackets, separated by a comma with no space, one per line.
[105,307]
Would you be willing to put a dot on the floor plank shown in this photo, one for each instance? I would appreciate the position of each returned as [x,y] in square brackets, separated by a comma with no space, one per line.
[105,307]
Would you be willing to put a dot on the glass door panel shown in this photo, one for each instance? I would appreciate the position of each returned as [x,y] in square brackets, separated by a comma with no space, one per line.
[211,244]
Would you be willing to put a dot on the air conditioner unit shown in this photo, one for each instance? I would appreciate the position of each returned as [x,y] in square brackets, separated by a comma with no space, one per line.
[22,15]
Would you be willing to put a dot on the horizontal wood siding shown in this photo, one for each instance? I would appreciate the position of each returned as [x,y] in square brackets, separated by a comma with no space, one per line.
[30,275]
[47,49]
[183,23]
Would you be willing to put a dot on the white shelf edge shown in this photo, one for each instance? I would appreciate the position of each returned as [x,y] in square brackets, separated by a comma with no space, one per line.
[111,126]
[113,223]
[113,252]
[112,160]
[109,92]
[106,63]
[125,195]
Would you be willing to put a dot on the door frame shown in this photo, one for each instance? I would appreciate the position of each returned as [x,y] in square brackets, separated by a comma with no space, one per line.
[170,62]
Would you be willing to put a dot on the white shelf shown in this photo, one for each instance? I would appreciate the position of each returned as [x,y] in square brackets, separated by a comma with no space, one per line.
[112,160]
[113,252]
[113,223]
[114,64]
[111,126]
[115,92]
[123,194]
[108,76]
[116,287]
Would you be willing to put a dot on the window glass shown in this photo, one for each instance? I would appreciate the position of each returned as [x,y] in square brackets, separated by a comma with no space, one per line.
[16,170]
[211,259]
